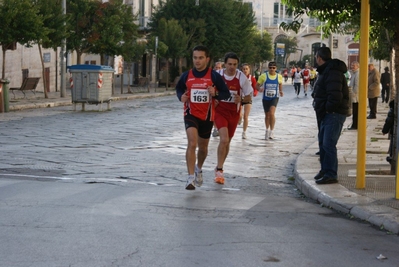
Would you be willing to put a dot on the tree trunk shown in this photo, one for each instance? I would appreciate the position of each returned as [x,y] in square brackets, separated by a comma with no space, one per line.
[167,74]
[3,72]
[43,72]
[129,70]
[180,66]
[79,57]
[394,92]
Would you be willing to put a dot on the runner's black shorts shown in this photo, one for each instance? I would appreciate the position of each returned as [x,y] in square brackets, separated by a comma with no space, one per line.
[268,103]
[204,128]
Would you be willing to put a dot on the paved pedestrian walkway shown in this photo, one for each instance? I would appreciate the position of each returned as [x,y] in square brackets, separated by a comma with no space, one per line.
[38,100]
[375,204]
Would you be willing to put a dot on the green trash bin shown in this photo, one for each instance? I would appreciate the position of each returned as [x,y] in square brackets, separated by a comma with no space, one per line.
[4,101]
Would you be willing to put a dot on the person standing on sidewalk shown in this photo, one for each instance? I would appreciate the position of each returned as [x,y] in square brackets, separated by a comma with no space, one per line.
[271,85]
[388,127]
[354,85]
[197,89]
[228,111]
[385,82]
[373,91]
[247,104]
[331,100]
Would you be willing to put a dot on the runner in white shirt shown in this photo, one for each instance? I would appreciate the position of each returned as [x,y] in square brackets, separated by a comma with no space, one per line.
[228,111]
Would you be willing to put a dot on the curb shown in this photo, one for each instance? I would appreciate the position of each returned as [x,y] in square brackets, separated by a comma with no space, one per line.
[339,198]
[67,101]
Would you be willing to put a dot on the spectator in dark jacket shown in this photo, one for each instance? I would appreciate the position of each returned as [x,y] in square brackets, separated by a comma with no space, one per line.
[388,128]
[331,103]
[385,82]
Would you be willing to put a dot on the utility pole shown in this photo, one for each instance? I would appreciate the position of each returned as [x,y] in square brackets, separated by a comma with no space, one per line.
[62,61]
[261,22]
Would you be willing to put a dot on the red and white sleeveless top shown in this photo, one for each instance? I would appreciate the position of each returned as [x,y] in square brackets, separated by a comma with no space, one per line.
[235,89]
[200,101]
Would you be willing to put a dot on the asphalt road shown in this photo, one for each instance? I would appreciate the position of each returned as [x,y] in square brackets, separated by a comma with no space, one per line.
[107,189]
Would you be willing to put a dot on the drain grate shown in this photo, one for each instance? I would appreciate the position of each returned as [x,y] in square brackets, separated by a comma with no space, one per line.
[381,187]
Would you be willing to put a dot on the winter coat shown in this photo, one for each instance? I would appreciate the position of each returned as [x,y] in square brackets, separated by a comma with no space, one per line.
[354,83]
[385,79]
[390,120]
[373,84]
[331,92]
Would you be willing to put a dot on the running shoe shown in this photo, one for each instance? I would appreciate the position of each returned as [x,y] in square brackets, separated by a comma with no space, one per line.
[244,135]
[267,135]
[215,132]
[219,179]
[198,176]
[271,135]
[190,183]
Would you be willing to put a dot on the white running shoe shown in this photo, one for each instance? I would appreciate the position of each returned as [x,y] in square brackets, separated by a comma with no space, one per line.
[271,135]
[215,132]
[198,177]
[244,135]
[190,183]
[267,135]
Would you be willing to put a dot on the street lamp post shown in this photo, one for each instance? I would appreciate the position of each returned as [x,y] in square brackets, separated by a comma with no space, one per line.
[62,61]
[261,22]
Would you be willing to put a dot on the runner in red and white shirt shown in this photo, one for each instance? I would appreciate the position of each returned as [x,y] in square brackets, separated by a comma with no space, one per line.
[198,89]
[247,104]
[228,111]
[306,79]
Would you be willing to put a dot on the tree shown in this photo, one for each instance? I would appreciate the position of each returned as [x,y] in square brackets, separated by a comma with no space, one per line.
[113,25]
[80,26]
[344,15]
[290,47]
[53,29]
[172,35]
[260,49]
[132,51]
[221,25]
[381,44]
[99,28]
[23,25]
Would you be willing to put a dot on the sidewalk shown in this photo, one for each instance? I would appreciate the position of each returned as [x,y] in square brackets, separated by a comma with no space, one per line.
[375,204]
[19,102]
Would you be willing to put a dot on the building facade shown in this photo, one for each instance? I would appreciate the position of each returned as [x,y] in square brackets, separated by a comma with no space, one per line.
[271,13]
[25,61]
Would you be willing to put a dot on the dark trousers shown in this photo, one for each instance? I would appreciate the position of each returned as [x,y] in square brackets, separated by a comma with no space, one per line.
[329,133]
[385,94]
[373,107]
[297,87]
[355,108]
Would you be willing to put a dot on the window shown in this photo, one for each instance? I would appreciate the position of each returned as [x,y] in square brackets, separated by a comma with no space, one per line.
[335,43]
[280,14]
